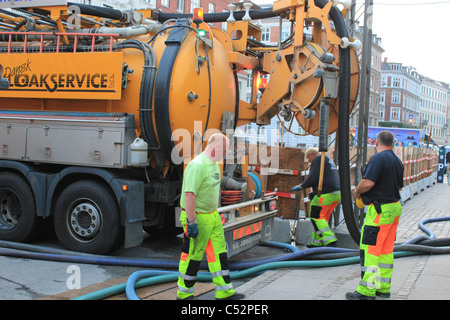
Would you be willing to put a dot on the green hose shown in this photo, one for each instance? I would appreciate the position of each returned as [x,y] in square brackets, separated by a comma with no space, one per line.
[203,277]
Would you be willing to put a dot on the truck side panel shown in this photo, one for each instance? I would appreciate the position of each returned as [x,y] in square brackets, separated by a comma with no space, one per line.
[47,186]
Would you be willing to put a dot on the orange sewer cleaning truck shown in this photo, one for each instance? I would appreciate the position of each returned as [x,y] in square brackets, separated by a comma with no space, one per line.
[101,110]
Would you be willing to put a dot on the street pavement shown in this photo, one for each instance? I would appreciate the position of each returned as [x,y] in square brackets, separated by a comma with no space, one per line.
[418,277]
[424,277]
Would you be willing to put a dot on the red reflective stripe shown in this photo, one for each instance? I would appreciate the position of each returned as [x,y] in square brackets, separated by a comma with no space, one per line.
[377,219]
[326,211]
[247,230]
[210,256]
[184,256]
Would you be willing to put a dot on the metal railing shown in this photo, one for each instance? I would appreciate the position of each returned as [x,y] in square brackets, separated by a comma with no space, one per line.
[58,35]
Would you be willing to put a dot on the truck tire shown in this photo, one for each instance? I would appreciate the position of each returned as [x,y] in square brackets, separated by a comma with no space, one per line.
[86,218]
[18,219]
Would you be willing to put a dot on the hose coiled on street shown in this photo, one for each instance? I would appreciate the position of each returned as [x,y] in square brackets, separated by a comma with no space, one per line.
[325,257]
[309,258]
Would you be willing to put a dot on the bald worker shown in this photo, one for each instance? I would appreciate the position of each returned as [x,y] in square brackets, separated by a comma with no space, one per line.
[203,230]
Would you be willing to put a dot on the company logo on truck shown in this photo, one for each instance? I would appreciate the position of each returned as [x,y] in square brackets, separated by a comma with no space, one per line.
[66,75]
[21,76]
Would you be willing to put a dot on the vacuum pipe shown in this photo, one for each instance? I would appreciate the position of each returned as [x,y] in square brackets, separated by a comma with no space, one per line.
[220,17]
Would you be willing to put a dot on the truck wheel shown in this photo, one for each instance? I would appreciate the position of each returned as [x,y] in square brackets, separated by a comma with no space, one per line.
[18,219]
[87,218]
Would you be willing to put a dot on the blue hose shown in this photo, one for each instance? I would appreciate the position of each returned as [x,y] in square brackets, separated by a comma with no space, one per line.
[117,261]
[281,245]
[101,260]
[422,227]
[257,183]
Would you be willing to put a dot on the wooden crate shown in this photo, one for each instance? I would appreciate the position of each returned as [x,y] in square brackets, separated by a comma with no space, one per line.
[290,159]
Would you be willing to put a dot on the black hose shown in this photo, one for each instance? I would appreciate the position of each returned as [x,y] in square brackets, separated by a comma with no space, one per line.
[343,120]
[435,242]
[14,37]
[145,103]
[163,16]
[258,43]
[209,88]
[422,249]
[236,105]
[324,124]
[221,16]
[100,11]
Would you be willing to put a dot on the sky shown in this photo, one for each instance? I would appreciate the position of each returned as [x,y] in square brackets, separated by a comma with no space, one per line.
[413,32]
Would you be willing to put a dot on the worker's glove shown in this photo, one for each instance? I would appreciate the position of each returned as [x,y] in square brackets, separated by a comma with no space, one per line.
[312,194]
[192,229]
[359,203]
[297,188]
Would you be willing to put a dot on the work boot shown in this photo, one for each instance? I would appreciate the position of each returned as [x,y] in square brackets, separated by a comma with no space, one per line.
[236,296]
[331,244]
[383,294]
[357,296]
[188,298]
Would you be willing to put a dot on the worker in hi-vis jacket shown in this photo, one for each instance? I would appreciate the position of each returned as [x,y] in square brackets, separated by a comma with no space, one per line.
[323,204]
[380,190]
[202,224]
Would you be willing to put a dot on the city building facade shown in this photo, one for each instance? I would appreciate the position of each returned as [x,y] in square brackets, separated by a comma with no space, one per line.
[375,80]
[400,94]
[448,115]
[434,109]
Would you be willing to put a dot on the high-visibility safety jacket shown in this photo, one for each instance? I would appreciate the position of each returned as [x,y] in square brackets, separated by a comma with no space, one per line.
[319,213]
[211,240]
[377,248]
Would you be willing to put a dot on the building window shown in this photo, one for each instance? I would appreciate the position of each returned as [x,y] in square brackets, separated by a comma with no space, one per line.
[194,4]
[285,33]
[382,95]
[211,7]
[165,3]
[396,67]
[395,114]
[396,82]
[381,114]
[265,36]
[396,97]
[180,6]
